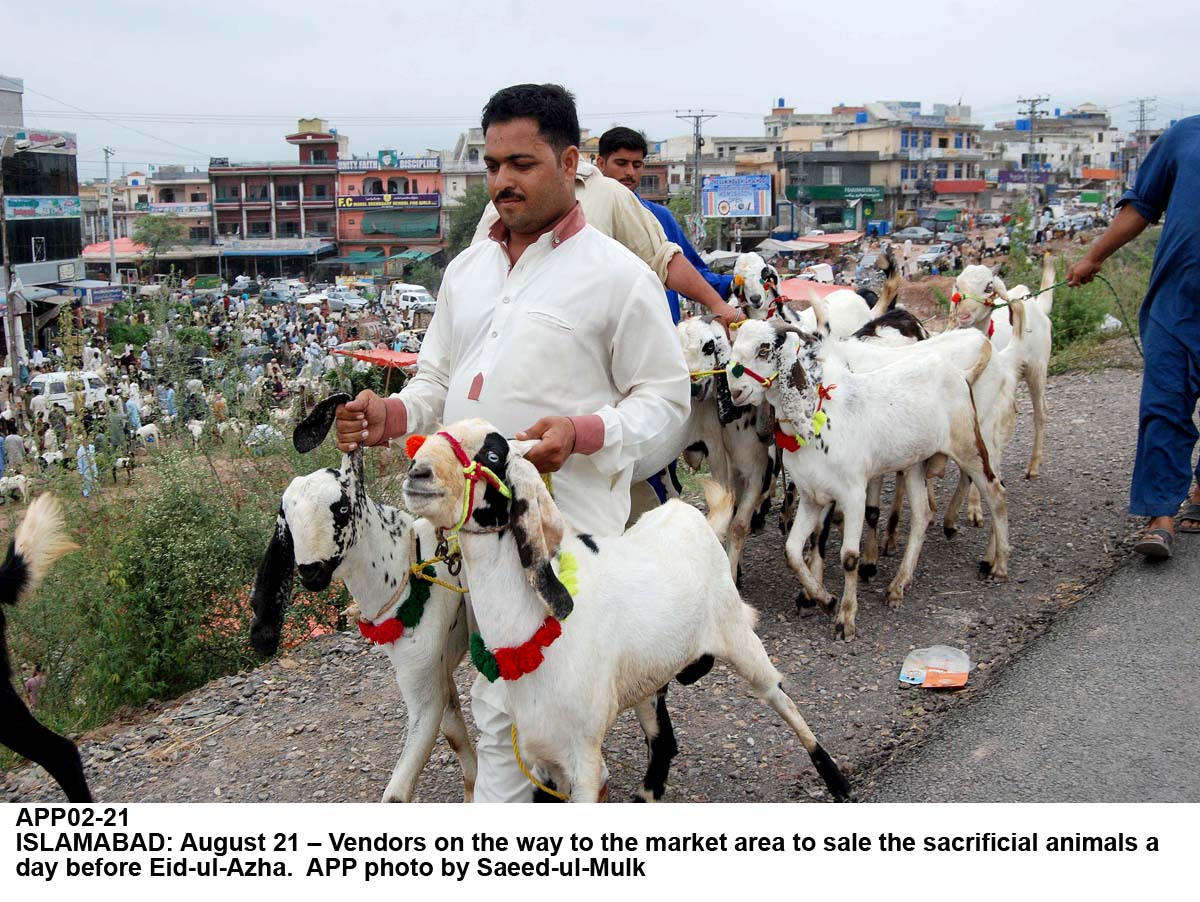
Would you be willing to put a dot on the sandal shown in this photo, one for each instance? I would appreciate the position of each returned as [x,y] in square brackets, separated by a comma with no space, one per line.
[1155,544]
[1191,511]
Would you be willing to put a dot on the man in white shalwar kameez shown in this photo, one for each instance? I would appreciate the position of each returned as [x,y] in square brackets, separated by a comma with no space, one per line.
[550,330]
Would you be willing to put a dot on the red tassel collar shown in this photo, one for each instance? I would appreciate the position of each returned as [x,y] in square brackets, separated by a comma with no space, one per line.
[381,633]
[514,662]
[785,441]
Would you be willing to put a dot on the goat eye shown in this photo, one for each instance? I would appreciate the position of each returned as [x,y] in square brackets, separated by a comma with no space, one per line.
[764,353]
[708,348]
[988,288]
[344,509]
[492,457]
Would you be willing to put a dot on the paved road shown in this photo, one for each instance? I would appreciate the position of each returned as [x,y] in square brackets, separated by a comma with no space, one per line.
[1105,707]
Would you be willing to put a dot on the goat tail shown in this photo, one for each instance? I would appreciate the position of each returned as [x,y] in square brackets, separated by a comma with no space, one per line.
[40,540]
[720,503]
[1045,296]
[985,357]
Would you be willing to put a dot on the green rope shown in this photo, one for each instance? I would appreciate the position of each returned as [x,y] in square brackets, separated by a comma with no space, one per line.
[1116,297]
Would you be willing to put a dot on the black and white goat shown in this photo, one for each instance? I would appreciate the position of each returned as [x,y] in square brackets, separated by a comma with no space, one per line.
[891,419]
[40,540]
[328,527]
[646,605]
[736,440]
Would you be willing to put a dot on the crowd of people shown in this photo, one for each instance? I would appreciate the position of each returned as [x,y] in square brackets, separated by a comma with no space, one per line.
[87,409]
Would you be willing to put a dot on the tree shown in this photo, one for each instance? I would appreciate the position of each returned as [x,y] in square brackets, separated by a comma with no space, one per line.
[426,274]
[157,232]
[464,218]
[681,208]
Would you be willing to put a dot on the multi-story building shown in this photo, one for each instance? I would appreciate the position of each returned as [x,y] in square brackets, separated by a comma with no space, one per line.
[185,194]
[41,211]
[388,211]
[279,216]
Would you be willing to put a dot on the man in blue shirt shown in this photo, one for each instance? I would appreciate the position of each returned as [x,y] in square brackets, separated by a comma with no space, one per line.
[1168,182]
[622,157]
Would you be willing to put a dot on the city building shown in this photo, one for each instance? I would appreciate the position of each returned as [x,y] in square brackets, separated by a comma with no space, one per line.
[388,212]
[278,218]
[40,213]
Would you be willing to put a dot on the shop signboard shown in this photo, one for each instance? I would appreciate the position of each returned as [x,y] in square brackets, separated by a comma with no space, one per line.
[387,201]
[845,192]
[736,195]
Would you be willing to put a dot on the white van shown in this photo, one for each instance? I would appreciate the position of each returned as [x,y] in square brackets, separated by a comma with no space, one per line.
[56,388]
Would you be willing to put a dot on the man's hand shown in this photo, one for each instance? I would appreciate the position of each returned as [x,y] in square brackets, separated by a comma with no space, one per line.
[557,436]
[726,314]
[1082,272]
[360,421]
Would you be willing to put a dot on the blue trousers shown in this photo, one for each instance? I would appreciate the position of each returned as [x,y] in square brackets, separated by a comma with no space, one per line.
[1162,472]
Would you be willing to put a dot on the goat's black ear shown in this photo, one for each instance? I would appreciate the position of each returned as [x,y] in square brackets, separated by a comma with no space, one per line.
[726,411]
[537,527]
[272,589]
[314,427]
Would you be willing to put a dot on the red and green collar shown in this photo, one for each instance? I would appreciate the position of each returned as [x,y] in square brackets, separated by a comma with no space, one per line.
[738,369]
[514,662]
[408,615]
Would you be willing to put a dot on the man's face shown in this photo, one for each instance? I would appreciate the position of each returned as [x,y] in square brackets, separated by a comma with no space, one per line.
[624,165]
[530,184]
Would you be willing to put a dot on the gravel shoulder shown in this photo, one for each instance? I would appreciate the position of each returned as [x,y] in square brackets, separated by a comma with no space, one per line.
[326,723]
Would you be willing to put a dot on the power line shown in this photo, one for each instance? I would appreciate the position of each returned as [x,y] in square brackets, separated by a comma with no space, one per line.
[114,122]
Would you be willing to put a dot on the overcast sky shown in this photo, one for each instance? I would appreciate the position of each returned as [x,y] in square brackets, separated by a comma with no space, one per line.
[177,83]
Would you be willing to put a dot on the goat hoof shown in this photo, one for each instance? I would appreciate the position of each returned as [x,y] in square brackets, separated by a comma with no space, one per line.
[893,597]
[950,531]
[866,571]
[844,631]
[985,569]
[975,519]
[804,602]
[1031,474]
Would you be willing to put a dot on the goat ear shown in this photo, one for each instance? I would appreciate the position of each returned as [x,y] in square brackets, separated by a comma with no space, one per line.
[538,528]
[520,447]
[314,427]
[272,589]
[726,411]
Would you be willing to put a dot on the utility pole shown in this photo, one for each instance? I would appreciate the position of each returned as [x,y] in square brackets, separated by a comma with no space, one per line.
[1033,103]
[1144,113]
[697,118]
[114,276]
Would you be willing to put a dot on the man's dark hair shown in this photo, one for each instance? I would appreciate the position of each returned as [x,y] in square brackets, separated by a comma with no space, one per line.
[551,106]
[622,138]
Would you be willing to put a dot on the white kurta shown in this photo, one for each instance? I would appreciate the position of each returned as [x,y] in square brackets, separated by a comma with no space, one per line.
[578,326]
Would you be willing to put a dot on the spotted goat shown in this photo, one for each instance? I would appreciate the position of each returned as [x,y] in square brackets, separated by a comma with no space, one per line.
[328,527]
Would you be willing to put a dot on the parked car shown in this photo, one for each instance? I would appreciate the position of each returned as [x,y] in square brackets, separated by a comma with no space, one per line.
[56,388]
[275,296]
[342,303]
[988,220]
[914,233]
[250,288]
[935,256]
[953,237]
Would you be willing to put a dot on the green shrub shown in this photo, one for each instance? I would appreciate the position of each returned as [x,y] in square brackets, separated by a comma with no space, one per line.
[120,334]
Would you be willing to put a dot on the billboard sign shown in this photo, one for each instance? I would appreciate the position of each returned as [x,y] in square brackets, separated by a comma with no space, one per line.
[1021,177]
[736,195]
[41,207]
[387,201]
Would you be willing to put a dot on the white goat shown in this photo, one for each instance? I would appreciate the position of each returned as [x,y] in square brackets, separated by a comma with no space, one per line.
[756,286]
[148,434]
[646,605]
[736,440]
[14,486]
[976,291]
[327,527]
[867,424]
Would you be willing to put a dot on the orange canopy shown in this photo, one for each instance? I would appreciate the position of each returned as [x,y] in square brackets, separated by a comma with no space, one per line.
[798,289]
[382,357]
